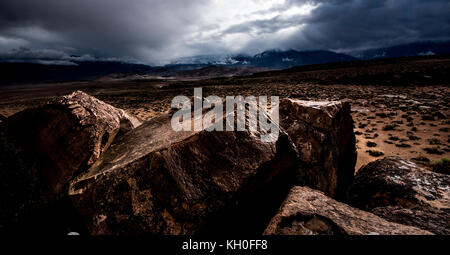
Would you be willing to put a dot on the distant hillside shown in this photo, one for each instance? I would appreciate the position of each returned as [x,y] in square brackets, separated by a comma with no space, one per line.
[32,72]
[276,59]
[405,50]
[221,71]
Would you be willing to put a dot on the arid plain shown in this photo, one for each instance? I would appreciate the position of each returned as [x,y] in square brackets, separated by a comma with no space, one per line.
[399,106]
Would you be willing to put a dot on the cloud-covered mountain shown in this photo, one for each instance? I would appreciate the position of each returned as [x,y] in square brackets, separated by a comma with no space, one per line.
[273,59]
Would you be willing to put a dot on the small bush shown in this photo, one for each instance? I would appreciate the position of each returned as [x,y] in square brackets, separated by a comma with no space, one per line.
[427,117]
[421,158]
[393,138]
[389,127]
[433,150]
[413,138]
[434,141]
[371,144]
[403,145]
[375,153]
[441,166]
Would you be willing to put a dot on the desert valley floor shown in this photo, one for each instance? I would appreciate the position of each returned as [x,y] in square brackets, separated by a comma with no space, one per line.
[400,107]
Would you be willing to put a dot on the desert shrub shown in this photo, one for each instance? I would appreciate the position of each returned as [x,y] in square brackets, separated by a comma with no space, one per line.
[371,144]
[381,114]
[433,150]
[393,138]
[434,141]
[362,125]
[439,115]
[427,117]
[421,158]
[375,153]
[403,145]
[441,166]
[389,127]
[413,138]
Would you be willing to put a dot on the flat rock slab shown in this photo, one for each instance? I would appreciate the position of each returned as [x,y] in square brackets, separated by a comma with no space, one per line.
[309,212]
[323,134]
[155,180]
[401,191]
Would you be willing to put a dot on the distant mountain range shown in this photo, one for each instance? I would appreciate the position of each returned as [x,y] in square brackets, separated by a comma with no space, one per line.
[282,59]
[271,59]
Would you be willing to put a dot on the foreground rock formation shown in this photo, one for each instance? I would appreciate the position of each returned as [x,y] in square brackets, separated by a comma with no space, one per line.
[323,134]
[400,191]
[155,180]
[79,164]
[309,212]
[43,148]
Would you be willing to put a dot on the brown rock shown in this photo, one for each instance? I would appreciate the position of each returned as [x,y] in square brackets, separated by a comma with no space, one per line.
[323,134]
[68,134]
[309,212]
[40,151]
[155,180]
[400,191]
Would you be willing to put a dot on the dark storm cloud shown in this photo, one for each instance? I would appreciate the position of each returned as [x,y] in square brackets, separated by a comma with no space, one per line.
[101,27]
[349,24]
[266,25]
[156,30]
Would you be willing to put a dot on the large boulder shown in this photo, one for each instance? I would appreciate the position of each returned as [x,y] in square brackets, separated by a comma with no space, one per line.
[68,134]
[400,191]
[323,134]
[155,180]
[41,149]
[309,212]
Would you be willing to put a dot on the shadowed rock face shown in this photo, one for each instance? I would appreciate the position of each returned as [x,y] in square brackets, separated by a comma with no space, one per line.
[323,134]
[155,180]
[309,212]
[68,134]
[41,149]
[400,191]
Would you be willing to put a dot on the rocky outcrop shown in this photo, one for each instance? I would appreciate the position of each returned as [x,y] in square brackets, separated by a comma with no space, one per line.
[41,149]
[323,134]
[400,191]
[309,212]
[155,180]
[68,134]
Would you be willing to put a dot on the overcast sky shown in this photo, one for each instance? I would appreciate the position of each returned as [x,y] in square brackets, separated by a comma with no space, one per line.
[159,31]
